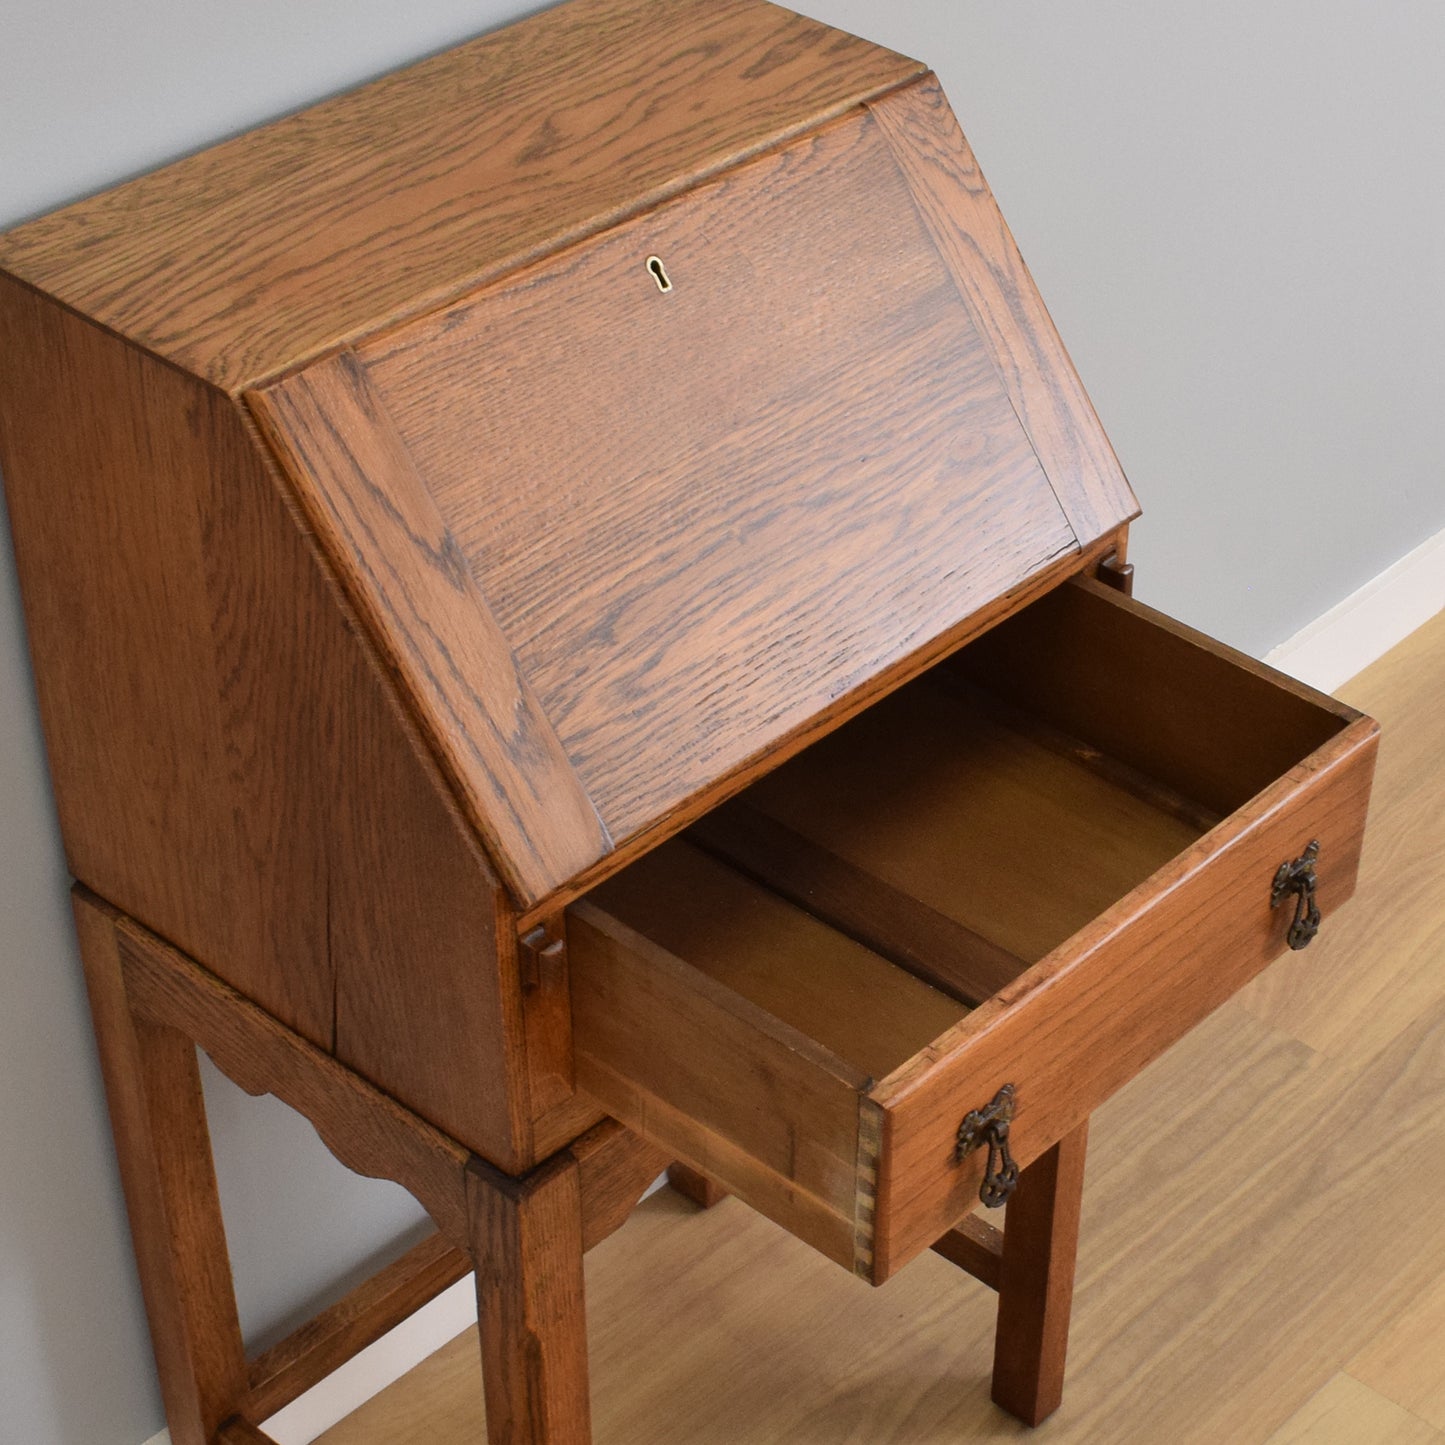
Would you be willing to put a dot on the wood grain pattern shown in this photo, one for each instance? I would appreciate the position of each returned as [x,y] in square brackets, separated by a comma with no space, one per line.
[118,591]
[403,572]
[230,765]
[158,1115]
[369,1132]
[1346,1412]
[820,725]
[268,249]
[1027,724]
[931,945]
[709,1075]
[527,1244]
[855,1005]
[750,495]
[614,1168]
[547,1017]
[1036,1281]
[1091,649]
[1086,1019]
[948,805]
[971,234]
[1406,1362]
[1090,629]
[558,1127]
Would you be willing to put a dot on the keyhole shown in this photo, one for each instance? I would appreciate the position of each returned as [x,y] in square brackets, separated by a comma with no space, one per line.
[659,273]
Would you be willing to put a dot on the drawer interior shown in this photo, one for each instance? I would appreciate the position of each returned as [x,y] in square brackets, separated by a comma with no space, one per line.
[975,820]
[834,923]
[950,837]
[855,1003]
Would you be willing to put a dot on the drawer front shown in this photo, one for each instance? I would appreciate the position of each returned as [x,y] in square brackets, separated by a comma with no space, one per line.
[1086,1019]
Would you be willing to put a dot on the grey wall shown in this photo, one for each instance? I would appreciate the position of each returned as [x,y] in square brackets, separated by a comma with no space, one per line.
[1235,214]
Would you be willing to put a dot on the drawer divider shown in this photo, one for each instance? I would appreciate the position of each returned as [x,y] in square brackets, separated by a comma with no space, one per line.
[903,929]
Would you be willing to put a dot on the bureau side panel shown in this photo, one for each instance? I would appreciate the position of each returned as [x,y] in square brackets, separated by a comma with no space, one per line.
[229,765]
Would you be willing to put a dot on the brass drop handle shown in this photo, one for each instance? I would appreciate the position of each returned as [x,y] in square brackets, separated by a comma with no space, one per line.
[989,1126]
[1298,878]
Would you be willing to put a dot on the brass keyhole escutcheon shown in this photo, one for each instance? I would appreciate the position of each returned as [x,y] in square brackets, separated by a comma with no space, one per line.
[1297,879]
[659,273]
[989,1126]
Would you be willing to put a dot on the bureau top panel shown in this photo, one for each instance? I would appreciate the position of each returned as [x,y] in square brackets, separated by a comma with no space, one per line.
[257,254]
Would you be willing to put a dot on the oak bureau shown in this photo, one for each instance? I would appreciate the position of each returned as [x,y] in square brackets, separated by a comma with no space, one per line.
[581,620]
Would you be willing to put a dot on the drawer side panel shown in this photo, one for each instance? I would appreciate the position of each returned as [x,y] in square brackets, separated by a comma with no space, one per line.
[692,1066]
[1210,722]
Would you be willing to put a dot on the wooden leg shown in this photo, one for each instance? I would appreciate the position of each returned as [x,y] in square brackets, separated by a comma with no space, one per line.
[697,1187]
[1036,1281]
[158,1115]
[527,1244]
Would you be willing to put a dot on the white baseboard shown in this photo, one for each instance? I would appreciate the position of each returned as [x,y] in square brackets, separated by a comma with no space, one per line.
[372,1370]
[1332,649]
[378,1365]
[1368,623]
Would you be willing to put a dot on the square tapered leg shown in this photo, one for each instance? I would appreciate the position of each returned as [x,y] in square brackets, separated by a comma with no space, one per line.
[1036,1281]
[158,1114]
[527,1243]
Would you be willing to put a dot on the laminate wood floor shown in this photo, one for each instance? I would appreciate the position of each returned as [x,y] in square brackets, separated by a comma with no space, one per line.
[1263,1244]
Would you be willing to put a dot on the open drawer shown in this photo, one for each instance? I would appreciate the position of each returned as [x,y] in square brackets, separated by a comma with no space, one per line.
[1039,864]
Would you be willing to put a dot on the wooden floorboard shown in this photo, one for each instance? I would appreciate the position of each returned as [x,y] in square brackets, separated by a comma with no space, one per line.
[1407,1361]
[1262,1258]
[1346,1412]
